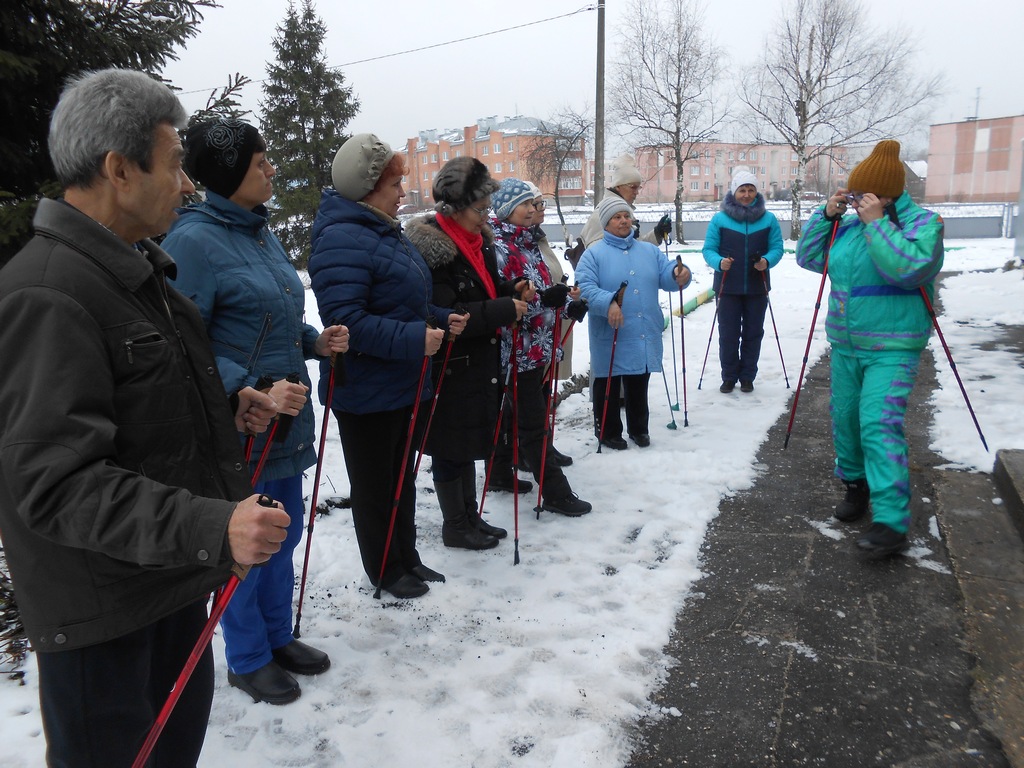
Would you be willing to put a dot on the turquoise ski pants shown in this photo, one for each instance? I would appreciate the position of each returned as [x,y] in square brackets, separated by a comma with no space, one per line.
[869,401]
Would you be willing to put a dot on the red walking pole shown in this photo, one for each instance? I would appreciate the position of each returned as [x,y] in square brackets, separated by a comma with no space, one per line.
[220,603]
[682,342]
[433,403]
[551,386]
[810,332]
[336,362]
[513,364]
[401,475]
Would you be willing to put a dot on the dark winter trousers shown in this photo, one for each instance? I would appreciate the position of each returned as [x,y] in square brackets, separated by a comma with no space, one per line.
[98,703]
[637,411]
[373,444]
[259,616]
[740,330]
[531,409]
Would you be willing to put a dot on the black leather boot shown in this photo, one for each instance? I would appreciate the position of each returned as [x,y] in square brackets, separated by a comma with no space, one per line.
[472,508]
[855,505]
[456,530]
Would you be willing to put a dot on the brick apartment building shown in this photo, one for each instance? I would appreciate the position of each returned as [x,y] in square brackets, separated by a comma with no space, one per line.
[975,161]
[502,145]
[710,166]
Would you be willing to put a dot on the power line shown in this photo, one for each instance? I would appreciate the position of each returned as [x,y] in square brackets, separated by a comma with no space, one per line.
[584,9]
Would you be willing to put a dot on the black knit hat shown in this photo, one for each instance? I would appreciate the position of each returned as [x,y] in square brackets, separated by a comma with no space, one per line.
[218,153]
[461,182]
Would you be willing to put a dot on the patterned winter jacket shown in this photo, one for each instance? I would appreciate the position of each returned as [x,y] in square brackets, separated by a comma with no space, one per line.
[519,257]
[745,233]
[877,272]
[253,303]
[368,276]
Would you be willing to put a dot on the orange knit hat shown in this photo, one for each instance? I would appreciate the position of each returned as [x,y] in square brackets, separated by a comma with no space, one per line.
[881,172]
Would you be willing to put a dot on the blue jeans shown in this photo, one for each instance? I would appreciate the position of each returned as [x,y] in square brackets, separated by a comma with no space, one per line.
[259,616]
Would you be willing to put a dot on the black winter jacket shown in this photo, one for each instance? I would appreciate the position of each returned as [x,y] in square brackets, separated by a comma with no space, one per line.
[120,460]
[467,409]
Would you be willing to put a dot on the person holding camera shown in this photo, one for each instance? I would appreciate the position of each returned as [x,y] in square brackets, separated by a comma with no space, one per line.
[743,242]
[881,258]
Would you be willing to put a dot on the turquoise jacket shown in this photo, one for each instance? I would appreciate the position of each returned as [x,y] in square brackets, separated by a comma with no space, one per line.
[745,233]
[877,272]
[253,303]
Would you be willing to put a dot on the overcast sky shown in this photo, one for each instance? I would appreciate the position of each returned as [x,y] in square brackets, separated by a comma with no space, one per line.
[536,69]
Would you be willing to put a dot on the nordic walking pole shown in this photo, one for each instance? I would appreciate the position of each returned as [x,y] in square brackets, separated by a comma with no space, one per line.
[778,343]
[513,364]
[494,441]
[263,384]
[669,399]
[672,333]
[336,363]
[714,322]
[437,395]
[682,345]
[401,473]
[551,386]
[952,364]
[810,332]
[278,432]
[238,573]
[617,298]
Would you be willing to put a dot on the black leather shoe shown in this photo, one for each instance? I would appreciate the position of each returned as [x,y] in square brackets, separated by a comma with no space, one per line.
[615,443]
[483,526]
[642,440]
[746,386]
[406,587]
[727,387]
[881,541]
[503,482]
[269,683]
[423,573]
[301,659]
[558,458]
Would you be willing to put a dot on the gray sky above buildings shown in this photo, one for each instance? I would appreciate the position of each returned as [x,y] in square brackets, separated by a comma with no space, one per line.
[536,69]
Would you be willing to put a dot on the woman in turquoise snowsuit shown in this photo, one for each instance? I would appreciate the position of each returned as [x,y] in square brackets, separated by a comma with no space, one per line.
[881,258]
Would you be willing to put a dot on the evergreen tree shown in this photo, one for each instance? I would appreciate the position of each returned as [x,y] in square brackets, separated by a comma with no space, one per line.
[42,44]
[306,107]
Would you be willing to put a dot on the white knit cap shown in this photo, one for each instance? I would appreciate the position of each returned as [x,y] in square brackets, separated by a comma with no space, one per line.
[535,189]
[624,171]
[739,178]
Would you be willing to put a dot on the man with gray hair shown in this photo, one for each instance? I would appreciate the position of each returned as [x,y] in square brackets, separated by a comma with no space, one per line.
[124,496]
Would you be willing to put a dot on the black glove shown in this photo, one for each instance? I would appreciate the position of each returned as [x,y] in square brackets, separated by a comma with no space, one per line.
[663,228]
[555,295]
[577,310]
[636,228]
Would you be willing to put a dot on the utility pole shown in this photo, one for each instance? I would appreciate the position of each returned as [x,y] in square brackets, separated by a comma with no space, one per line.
[598,179]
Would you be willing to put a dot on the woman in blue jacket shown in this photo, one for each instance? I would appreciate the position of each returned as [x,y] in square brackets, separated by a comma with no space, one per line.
[368,276]
[602,269]
[253,303]
[744,232]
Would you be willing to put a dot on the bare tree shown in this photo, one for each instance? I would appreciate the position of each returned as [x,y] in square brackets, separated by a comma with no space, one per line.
[662,86]
[560,150]
[829,79]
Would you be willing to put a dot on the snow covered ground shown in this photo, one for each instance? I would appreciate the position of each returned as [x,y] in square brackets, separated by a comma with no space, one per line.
[550,662]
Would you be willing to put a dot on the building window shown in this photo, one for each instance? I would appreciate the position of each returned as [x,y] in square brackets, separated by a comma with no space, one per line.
[486,150]
[511,147]
[695,186]
[497,167]
[743,155]
[511,167]
[571,164]
[730,157]
[570,182]
[497,149]
[458,153]
[695,170]
[444,156]
[761,170]
[707,170]
[707,185]
[794,158]
[426,175]
[433,157]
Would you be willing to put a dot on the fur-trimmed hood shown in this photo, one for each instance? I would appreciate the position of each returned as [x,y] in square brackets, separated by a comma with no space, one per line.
[738,212]
[436,248]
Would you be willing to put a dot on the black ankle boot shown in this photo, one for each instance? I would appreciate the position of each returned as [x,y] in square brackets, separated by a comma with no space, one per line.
[472,508]
[855,505]
[456,530]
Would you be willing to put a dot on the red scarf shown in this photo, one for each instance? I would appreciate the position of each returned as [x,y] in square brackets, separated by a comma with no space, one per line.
[471,246]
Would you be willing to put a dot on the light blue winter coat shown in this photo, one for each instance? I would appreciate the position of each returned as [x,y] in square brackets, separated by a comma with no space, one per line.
[253,303]
[600,272]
